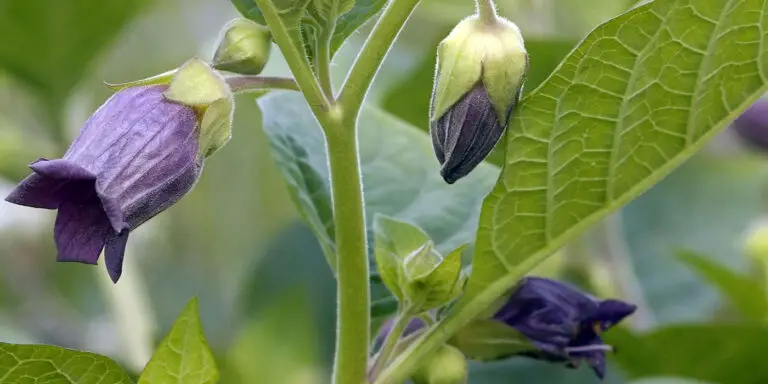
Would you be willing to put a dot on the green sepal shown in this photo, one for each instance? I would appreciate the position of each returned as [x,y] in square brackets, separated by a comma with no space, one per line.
[160,79]
[488,340]
[505,64]
[412,269]
[197,85]
[476,52]
[441,285]
[394,241]
[459,67]
[243,48]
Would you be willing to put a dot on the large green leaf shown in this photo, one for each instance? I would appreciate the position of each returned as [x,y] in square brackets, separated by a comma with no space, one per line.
[50,44]
[635,99]
[400,174]
[49,364]
[722,354]
[184,356]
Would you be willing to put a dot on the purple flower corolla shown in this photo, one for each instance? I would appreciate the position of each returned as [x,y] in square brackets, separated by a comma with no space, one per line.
[752,125]
[563,323]
[135,157]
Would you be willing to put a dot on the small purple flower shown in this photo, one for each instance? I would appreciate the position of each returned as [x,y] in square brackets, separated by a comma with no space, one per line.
[562,322]
[752,125]
[135,157]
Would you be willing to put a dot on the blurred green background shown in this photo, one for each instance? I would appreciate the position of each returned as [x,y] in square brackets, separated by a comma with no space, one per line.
[266,295]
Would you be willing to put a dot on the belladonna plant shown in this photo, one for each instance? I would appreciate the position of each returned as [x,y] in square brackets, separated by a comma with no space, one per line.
[619,113]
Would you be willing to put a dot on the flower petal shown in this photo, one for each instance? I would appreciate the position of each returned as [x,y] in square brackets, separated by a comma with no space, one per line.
[81,229]
[610,312]
[50,184]
[114,253]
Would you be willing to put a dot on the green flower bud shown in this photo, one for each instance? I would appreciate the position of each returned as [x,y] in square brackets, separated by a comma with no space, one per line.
[481,68]
[447,366]
[243,48]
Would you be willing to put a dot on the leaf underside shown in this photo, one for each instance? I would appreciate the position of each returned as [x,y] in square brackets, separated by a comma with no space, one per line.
[635,99]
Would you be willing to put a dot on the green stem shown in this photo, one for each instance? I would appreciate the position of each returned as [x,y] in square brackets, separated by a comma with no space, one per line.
[390,342]
[245,83]
[297,60]
[354,296]
[486,11]
[372,54]
[323,58]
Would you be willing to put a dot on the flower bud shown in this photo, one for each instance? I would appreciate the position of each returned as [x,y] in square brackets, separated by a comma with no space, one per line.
[752,125]
[481,68]
[243,48]
[447,366]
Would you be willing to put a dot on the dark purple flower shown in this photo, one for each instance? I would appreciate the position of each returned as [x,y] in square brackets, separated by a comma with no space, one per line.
[135,157]
[466,134]
[562,322]
[752,125]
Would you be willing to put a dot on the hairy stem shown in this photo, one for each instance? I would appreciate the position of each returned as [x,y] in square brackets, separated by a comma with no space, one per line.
[372,54]
[354,296]
[486,11]
[323,58]
[245,83]
[297,60]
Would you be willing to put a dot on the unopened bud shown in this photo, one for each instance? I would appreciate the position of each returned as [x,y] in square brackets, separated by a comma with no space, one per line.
[243,48]
[447,366]
[480,73]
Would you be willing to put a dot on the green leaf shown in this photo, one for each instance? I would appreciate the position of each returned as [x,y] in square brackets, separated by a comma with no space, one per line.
[487,340]
[183,357]
[744,292]
[49,364]
[409,99]
[713,353]
[635,99]
[400,173]
[346,24]
[55,43]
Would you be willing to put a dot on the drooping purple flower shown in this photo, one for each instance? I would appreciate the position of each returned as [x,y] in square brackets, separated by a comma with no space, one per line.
[562,322]
[135,157]
[752,125]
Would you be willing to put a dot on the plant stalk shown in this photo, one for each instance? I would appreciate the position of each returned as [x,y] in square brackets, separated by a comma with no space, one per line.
[354,296]
[323,58]
[372,54]
[247,83]
[486,11]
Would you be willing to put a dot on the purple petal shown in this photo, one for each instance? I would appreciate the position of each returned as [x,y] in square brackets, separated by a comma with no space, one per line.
[81,230]
[52,182]
[37,192]
[114,253]
[611,312]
